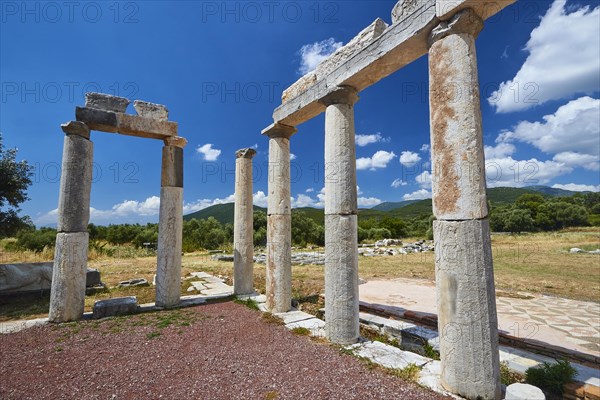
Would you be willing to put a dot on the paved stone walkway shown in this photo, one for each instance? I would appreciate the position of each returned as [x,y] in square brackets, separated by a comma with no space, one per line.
[571,324]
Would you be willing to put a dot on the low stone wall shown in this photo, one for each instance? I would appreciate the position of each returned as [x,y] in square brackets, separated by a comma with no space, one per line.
[34,277]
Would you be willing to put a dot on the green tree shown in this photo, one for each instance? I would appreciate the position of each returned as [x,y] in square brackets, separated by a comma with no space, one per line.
[15,178]
[518,220]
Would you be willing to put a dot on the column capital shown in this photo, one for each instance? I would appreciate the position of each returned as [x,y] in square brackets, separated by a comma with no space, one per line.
[340,95]
[245,153]
[277,130]
[176,141]
[76,128]
[465,21]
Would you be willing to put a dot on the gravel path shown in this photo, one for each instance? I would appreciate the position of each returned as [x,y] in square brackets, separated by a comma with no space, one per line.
[215,351]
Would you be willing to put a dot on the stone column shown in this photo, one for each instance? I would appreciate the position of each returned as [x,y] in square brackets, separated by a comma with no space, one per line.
[67,295]
[168,274]
[279,220]
[243,225]
[341,247]
[466,300]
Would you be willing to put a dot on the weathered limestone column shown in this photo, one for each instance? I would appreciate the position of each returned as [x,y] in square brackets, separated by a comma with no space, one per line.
[67,295]
[168,274]
[243,225]
[341,247]
[466,298]
[279,220]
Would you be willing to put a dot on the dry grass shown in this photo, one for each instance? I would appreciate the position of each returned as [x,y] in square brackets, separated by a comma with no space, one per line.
[538,263]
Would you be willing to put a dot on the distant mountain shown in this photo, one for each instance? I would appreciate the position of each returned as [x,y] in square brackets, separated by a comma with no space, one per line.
[223,213]
[553,192]
[389,206]
[403,209]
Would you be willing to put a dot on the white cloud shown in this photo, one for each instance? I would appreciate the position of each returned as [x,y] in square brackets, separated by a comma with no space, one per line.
[424,180]
[577,188]
[312,54]
[398,182]
[425,148]
[572,133]
[292,157]
[418,195]
[368,202]
[208,152]
[310,190]
[563,60]
[508,172]
[364,140]
[408,158]
[499,151]
[303,200]
[379,160]
[260,199]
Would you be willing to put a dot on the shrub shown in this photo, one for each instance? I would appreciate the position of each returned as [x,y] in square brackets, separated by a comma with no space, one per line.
[551,377]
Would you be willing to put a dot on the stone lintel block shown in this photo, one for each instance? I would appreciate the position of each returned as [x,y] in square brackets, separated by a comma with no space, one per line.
[67,296]
[466,303]
[341,55]
[172,167]
[113,307]
[76,128]
[405,9]
[522,391]
[446,9]
[277,130]
[75,184]
[341,278]
[151,110]
[245,153]
[107,102]
[125,124]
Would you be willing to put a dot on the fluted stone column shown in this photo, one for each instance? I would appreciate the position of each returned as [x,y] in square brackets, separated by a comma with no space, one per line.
[67,295]
[466,298]
[243,225]
[341,247]
[279,220]
[168,274]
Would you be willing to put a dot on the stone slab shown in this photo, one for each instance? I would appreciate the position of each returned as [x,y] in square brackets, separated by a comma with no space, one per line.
[151,110]
[294,316]
[217,285]
[125,124]
[315,325]
[211,279]
[218,292]
[201,275]
[17,326]
[387,356]
[198,285]
[113,307]
[102,101]
[257,298]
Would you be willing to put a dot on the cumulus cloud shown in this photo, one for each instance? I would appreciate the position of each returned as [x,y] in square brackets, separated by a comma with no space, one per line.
[208,153]
[572,134]
[364,140]
[499,151]
[563,60]
[368,202]
[379,160]
[408,158]
[292,157]
[424,180]
[418,195]
[509,172]
[312,54]
[310,190]
[577,187]
[398,182]
[425,148]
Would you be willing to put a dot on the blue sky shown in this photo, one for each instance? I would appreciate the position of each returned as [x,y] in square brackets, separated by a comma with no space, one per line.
[220,68]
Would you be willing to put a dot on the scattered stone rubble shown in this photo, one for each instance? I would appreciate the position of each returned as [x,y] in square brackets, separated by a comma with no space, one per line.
[386,247]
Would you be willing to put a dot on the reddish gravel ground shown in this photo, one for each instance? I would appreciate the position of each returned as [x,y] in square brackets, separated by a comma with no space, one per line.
[215,351]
